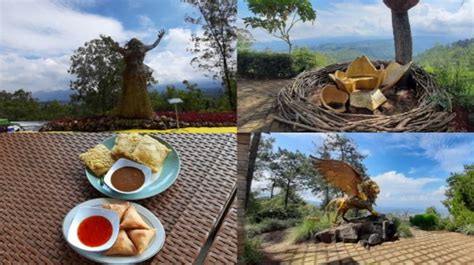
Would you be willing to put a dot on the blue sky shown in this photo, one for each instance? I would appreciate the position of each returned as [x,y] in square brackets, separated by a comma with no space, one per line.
[38,37]
[371,18]
[410,168]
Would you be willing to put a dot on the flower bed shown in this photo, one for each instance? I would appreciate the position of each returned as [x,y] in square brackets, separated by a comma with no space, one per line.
[193,117]
[162,121]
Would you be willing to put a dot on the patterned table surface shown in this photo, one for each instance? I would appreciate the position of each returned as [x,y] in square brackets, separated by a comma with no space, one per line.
[41,179]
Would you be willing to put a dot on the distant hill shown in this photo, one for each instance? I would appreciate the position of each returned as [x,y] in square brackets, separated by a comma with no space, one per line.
[210,88]
[346,49]
[460,52]
[453,68]
[59,95]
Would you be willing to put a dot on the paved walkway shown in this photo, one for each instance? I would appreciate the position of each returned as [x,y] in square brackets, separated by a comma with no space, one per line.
[424,248]
[256,98]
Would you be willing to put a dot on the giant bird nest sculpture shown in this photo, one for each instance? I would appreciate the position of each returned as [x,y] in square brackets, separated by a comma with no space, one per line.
[429,109]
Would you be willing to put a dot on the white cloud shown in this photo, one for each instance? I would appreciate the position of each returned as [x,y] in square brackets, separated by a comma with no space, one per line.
[400,191]
[37,39]
[50,28]
[450,153]
[451,156]
[356,18]
[366,152]
[435,18]
[33,74]
[172,61]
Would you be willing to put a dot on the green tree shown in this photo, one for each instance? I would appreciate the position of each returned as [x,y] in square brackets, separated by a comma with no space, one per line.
[319,184]
[346,149]
[460,196]
[266,164]
[97,70]
[278,17]
[18,105]
[215,47]
[245,40]
[294,170]
[54,110]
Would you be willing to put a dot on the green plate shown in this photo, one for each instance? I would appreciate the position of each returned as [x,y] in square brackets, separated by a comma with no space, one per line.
[166,177]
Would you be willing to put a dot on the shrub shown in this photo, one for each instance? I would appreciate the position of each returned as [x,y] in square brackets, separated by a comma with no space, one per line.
[303,59]
[277,213]
[426,221]
[403,230]
[252,254]
[460,197]
[264,65]
[453,68]
[467,229]
[269,225]
[305,230]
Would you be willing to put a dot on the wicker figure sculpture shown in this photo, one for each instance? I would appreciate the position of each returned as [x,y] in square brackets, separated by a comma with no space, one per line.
[361,192]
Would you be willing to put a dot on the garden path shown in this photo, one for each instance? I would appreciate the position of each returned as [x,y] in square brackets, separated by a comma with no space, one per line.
[256,98]
[436,247]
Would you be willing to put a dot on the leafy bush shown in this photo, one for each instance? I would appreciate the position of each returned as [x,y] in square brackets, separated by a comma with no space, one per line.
[305,230]
[303,59]
[426,221]
[269,225]
[460,197]
[403,230]
[277,213]
[264,65]
[252,254]
[467,229]
[447,224]
[453,68]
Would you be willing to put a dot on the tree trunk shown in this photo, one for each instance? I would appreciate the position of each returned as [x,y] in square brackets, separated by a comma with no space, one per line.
[287,192]
[402,37]
[326,196]
[228,84]
[271,190]
[251,165]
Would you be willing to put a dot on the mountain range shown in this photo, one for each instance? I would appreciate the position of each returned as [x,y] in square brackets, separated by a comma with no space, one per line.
[210,88]
[347,48]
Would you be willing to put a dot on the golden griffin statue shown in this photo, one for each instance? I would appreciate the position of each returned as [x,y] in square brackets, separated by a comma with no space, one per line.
[361,192]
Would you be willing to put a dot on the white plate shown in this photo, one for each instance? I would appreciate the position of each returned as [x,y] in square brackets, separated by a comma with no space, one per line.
[155,245]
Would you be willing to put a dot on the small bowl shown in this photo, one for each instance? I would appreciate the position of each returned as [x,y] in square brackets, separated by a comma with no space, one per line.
[122,162]
[86,212]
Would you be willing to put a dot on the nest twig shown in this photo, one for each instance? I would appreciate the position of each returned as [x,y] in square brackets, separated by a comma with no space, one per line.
[295,109]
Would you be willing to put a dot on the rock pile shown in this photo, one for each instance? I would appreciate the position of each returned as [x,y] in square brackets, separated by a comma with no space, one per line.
[369,231]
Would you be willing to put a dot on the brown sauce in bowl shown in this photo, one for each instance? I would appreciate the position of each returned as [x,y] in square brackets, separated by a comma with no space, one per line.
[128,179]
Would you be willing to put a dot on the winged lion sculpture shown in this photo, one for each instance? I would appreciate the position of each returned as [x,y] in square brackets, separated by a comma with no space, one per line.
[361,192]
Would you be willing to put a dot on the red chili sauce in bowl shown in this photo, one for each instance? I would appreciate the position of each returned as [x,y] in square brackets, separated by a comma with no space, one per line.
[94,231]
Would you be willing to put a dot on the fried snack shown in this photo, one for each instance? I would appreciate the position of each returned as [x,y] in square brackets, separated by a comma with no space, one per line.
[150,152]
[125,145]
[98,159]
[141,238]
[123,246]
[120,209]
[132,220]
